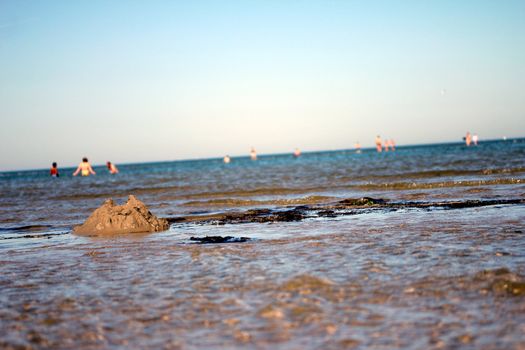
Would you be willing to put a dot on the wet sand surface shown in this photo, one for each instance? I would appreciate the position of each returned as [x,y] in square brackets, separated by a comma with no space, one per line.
[413,278]
[421,248]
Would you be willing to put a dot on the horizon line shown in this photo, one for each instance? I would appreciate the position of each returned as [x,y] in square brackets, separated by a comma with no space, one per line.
[269,154]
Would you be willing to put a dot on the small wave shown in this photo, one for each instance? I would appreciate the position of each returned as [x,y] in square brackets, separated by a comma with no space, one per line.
[120,193]
[431,185]
[82,196]
[503,171]
[25,228]
[446,173]
[248,202]
[265,191]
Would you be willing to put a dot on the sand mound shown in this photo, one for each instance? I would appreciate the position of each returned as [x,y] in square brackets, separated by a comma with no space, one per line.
[132,217]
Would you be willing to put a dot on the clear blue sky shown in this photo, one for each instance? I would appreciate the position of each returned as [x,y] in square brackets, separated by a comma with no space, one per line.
[132,81]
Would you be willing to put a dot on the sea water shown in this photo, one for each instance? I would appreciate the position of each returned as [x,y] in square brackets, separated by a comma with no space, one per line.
[408,279]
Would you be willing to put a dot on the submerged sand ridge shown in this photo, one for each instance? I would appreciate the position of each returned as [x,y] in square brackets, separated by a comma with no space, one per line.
[132,217]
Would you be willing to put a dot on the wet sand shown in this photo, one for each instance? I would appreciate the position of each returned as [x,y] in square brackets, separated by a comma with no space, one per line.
[410,278]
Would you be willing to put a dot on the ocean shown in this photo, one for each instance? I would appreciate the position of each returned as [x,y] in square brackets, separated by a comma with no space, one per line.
[433,258]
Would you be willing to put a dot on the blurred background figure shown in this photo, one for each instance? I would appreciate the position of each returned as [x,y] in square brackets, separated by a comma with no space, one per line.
[468,139]
[112,168]
[297,153]
[54,170]
[226,159]
[387,145]
[475,139]
[357,147]
[253,154]
[392,145]
[379,143]
[85,168]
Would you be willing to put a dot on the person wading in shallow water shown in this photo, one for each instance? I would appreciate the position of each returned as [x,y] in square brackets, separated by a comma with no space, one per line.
[111,167]
[84,168]
[379,146]
[54,170]
[468,139]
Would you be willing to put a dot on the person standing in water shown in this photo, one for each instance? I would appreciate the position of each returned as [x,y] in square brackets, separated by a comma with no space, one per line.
[54,170]
[392,145]
[297,153]
[111,167]
[379,146]
[475,139]
[253,154]
[226,159]
[468,139]
[84,168]
[357,147]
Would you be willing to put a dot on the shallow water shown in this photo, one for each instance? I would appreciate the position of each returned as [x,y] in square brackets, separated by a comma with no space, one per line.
[433,172]
[413,278]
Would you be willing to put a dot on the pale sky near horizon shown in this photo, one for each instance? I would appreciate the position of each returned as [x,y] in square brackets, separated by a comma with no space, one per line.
[134,81]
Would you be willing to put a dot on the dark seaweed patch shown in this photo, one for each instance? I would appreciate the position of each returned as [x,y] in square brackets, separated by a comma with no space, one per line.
[44,235]
[350,206]
[219,239]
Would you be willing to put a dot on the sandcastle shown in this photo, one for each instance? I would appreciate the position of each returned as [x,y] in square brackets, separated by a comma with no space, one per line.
[132,217]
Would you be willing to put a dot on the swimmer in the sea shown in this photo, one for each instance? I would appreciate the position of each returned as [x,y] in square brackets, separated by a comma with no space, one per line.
[379,145]
[253,154]
[468,139]
[297,153]
[84,168]
[111,167]
[54,170]
[226,159]
[475,139]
